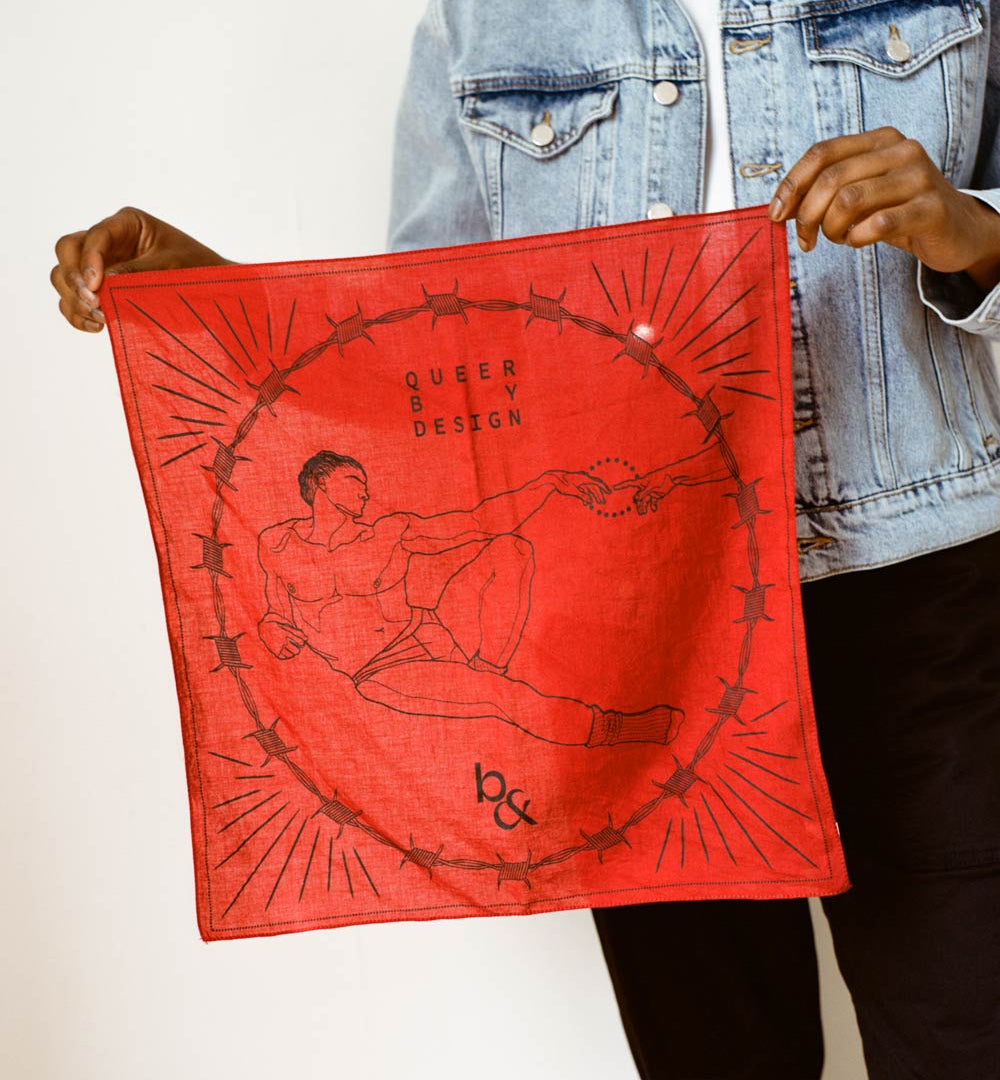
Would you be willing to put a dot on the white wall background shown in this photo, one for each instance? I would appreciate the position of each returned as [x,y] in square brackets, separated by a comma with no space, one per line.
[264,130]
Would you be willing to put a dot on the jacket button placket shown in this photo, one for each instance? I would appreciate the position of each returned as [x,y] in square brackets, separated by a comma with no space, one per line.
[674,104]
[760,80]
[757,161]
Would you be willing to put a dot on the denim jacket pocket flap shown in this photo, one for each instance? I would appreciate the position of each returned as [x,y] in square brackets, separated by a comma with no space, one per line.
[894,38]
[541,123]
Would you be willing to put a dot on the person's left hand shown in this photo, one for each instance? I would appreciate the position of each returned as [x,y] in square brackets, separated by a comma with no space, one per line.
[881,186]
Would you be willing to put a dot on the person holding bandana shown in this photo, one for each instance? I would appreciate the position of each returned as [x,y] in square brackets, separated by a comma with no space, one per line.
[871,128]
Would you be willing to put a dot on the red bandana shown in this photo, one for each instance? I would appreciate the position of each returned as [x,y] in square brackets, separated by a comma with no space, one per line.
[480,573]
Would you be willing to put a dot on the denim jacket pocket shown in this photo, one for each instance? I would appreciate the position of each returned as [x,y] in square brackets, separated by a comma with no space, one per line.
[541,124]
[886,61]
[538,141]
[894,37]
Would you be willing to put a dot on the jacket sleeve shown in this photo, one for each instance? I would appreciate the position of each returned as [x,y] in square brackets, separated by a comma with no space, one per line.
[955,297]
[436,197]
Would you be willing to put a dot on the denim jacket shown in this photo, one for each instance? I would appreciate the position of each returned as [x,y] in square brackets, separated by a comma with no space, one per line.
[896,396]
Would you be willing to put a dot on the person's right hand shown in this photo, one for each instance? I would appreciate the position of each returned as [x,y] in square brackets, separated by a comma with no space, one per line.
[128,241]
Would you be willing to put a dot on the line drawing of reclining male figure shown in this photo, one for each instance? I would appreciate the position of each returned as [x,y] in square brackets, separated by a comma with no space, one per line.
[424,613]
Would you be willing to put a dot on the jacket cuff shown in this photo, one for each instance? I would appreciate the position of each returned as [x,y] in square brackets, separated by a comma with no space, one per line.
[956,298]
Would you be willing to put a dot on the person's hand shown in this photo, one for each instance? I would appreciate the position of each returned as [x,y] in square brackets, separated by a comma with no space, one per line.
[579,485]
[881,186]
[128,241]
[281,638]
[650,489]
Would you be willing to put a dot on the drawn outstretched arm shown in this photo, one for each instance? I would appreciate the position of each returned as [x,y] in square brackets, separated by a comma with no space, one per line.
[277,628]
[498,514]
[704,467]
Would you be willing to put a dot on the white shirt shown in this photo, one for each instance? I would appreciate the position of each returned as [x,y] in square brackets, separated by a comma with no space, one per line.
[704,16]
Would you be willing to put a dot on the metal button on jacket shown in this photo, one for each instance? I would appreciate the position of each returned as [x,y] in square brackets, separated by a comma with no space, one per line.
[542,134]
[658,210]
[896,47]
[666,92]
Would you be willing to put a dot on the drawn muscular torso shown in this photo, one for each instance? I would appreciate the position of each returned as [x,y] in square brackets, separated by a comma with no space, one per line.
[348,596]
[426,613]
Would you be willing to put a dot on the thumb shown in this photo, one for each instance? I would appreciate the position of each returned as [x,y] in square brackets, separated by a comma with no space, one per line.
[154,260]
[118,237]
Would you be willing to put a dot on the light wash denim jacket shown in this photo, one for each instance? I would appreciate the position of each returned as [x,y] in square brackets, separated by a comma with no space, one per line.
[896,403]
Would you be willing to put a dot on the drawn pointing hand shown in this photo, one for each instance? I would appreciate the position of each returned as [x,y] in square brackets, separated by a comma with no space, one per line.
[649,490]
[579,485]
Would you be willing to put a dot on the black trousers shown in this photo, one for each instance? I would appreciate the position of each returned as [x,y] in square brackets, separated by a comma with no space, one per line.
[905,666]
